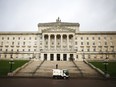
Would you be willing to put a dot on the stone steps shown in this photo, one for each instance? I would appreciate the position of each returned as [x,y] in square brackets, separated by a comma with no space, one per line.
[87,70]
[45,69]
[28,70]
[47,66]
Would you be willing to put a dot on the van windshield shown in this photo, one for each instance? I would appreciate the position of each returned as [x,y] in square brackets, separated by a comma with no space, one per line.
[66,72]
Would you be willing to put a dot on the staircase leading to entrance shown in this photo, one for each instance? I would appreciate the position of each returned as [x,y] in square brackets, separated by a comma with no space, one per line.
[79,69]
[29,69]
[47,66]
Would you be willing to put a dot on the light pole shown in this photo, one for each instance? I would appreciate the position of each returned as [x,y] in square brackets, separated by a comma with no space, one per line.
[105,66]
[11,62]
[83,56]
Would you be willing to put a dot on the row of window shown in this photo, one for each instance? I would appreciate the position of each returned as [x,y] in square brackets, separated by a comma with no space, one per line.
[11,56]
[88,43]
[93,38]
[95,56]
[35,43]
[18,50]
[19,38]
[111,48]
[95,50]
[76,43]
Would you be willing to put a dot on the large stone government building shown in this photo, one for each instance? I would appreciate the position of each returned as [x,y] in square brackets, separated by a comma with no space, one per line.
[58,41]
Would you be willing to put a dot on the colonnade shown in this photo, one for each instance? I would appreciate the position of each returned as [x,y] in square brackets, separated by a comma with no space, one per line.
[56,40]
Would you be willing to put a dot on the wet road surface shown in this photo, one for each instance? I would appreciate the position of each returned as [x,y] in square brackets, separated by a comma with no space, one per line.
[49,82]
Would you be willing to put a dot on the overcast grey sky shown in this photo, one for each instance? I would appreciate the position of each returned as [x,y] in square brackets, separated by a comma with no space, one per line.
[24,15]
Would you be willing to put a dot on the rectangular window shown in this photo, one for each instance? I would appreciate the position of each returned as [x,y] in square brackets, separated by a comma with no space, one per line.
[10,56]
[82,50]
[2,38]
[41,37]
[93,43]
[81,43]
[110,38]
[13,38]
[105,43]
[87,43]
[18,43]
[98,38]
[29,38]
[19,38]
[1,43]
[105,38]
[7,38]
[77,56]
[35,38]
[0,49]
[6,50]
[34,49]
[88,50]
[93,38]
[75,43]
[12,43]
[87,38]
[23,43]
[94,49]
[28,49]
[23,49]
[5,55]
[81,38]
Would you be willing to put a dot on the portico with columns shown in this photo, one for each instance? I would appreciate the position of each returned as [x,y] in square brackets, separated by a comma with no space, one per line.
[58,40]
[57,46]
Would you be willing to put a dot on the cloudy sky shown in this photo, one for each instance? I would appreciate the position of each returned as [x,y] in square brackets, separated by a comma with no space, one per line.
[24,15]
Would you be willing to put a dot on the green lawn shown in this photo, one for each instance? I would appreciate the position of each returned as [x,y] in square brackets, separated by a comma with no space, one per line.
[5,66]
[111,67]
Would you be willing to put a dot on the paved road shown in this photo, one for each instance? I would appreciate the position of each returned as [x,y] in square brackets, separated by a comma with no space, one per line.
[49,82]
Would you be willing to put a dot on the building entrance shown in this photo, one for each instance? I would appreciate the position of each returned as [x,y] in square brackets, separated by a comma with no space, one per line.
[71,57]
[58,57]
[51,57]
[45,56]
[64,57]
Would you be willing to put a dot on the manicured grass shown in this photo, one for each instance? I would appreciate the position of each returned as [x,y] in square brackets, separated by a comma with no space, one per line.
[111,67]
[5,66]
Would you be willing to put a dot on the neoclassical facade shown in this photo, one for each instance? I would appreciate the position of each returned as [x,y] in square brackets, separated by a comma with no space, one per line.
[58,41]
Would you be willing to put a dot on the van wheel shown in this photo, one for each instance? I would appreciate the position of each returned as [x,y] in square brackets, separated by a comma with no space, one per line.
[64,77]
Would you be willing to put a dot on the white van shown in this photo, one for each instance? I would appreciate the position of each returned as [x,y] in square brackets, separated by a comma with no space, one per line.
[60,73]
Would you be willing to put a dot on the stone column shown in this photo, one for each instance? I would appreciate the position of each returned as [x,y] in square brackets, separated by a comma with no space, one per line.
[43,41]
[55,41]
[48,41]
[61,41]
[48,56]
[61,56]
[68,56]
[42,56]
[73,41]
[68,41]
